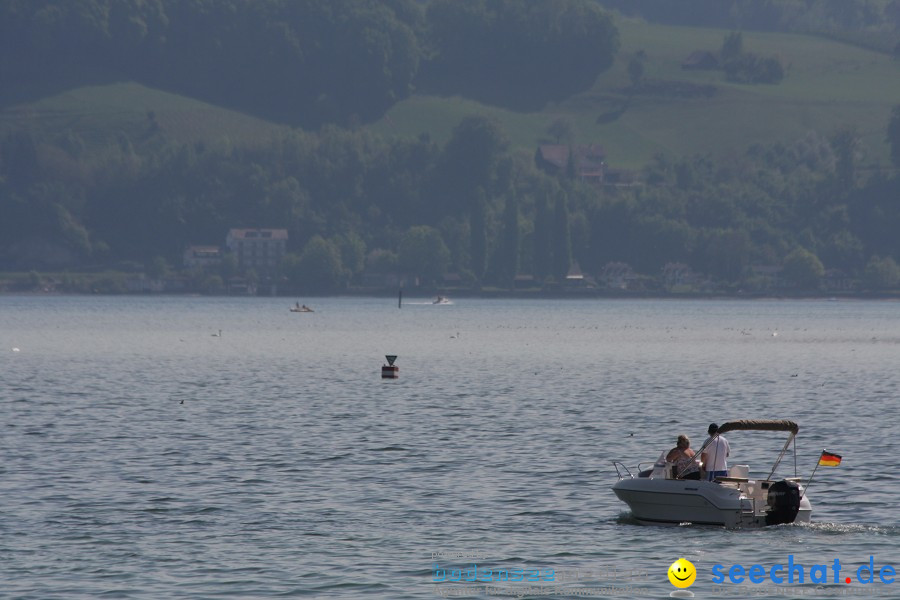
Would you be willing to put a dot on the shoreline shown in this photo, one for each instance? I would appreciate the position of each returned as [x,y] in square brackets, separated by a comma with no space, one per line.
[493,294]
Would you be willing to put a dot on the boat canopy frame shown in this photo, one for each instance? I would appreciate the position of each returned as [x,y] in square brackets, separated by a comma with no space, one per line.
[760,425]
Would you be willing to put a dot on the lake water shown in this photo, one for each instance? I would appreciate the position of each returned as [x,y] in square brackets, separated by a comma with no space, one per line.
[145,457]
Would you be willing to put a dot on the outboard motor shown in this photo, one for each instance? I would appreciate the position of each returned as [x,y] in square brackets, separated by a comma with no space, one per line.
[783,501]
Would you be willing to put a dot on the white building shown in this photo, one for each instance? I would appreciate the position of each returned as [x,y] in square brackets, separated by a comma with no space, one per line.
[257,249]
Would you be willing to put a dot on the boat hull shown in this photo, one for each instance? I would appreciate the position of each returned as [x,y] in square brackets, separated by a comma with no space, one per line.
[673,501]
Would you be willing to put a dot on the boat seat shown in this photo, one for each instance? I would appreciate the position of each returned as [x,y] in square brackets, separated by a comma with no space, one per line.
[739,471]
[732,479]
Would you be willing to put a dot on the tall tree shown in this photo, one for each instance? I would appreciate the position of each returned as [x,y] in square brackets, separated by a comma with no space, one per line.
[353,252]
[803,269]
[562,130]
[882,273]
[732,46]
[423,253]
[478,234]
[509,258]
[520,54]
[319,266]
[562,240]
[542,237]
[846,144]
[472,155]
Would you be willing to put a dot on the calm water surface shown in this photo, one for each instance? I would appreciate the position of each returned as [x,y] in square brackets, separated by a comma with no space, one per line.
[145,457]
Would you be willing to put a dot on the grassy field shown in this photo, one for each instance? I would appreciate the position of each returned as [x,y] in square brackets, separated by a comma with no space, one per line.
[828,85]
[98,114]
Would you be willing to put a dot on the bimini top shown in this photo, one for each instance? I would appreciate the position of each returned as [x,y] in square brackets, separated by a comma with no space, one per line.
[759,425]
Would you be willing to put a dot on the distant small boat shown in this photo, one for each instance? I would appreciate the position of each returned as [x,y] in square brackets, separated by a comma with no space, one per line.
[303,308]
[441,300]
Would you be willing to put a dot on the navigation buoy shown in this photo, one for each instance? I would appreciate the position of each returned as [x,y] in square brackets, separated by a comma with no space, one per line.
[390,371]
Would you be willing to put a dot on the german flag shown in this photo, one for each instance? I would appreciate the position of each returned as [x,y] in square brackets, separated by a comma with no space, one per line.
[829,459]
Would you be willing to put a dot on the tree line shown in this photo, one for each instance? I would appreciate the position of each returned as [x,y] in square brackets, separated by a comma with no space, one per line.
[307,62]
[356,203]
[838,16]
[866,23]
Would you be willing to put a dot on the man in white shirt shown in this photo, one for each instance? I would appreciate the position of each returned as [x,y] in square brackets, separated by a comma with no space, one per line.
[714,455]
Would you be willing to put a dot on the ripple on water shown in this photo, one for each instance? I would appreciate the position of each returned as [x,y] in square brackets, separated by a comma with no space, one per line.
[292,469]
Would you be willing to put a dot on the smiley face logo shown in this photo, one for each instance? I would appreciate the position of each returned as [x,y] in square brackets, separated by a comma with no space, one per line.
[682,573]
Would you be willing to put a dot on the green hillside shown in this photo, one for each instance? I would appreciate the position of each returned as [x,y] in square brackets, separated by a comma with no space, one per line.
[827,85]
[99,114]
[93,174]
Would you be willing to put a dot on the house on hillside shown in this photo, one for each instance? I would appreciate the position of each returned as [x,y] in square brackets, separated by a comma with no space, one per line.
[620,177]
[240,286]
[576,280]
[617,275]
[258,249]
[201,257]
[837,280]
[588,161]
[700,60]
[676,274]
[525,282]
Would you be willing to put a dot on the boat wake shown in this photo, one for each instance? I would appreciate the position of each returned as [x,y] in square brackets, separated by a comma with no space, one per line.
[853,528]
[626,518]
[445,303]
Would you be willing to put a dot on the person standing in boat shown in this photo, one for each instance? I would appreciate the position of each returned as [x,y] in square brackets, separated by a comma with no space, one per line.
[715,455]
[685,466]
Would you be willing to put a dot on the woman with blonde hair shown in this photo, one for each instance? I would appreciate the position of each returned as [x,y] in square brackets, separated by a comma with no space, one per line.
[685,466]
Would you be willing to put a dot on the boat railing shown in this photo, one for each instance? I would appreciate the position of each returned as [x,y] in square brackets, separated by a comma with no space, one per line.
[617,465]
[646,466]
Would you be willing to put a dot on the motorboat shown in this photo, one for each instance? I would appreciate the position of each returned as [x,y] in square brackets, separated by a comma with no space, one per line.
[658,495]
[441,300]
[303,309]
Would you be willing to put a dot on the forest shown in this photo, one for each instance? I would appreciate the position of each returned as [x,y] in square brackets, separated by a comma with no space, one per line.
[305,62]
[355,203]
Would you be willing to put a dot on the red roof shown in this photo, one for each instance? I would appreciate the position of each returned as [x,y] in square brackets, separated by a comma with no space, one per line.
[588,159]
